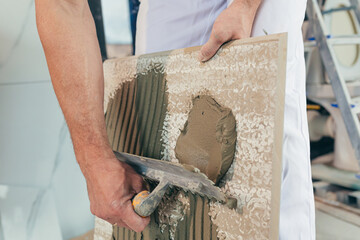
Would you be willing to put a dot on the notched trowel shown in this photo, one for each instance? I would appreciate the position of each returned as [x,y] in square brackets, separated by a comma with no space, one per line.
[167,174]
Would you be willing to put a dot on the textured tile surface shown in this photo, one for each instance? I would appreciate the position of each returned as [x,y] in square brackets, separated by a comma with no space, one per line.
[247,76]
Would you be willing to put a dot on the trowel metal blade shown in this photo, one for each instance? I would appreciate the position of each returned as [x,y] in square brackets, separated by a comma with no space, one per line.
[175,174]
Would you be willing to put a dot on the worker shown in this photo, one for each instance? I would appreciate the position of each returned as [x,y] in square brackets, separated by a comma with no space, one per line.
[68,35]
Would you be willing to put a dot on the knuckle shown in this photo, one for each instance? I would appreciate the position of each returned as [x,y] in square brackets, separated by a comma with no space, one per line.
[135,176]
[217,26]
[117,210]
[123,169]
[139,228]
[93,210]
[218,35]
[139,180]
[100,215]
[237,35]
[206,51]
[219,38]
[115,206]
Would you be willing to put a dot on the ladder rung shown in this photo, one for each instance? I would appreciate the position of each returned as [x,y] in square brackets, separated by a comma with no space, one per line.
[338,9]
[345,40]
[338,40]
[356,110]
[354,107]
[326,90]
[356,102]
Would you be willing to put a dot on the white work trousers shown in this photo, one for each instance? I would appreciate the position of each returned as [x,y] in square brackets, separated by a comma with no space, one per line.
[172,24]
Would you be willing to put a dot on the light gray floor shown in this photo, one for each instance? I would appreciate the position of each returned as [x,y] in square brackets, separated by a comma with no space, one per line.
[331,228]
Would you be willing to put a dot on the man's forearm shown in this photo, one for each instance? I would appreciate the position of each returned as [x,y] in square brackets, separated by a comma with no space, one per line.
[68,35]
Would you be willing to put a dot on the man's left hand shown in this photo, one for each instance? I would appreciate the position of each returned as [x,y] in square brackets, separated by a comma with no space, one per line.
[235,22]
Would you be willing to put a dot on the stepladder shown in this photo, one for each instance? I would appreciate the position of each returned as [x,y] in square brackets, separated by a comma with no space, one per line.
[343,82]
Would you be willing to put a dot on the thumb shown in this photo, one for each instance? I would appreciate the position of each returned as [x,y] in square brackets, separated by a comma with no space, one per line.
[210,48]
[131,219]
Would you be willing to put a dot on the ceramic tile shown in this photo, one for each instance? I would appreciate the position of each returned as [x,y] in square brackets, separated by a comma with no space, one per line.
[36,150]
[46,225]
[69,188]
[30,124]
[15,210]
[12,30]
[20,44]
[28,213]
[246,76]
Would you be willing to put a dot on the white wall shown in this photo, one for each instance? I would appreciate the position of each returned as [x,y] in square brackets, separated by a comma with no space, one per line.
[116,21]
[42,191]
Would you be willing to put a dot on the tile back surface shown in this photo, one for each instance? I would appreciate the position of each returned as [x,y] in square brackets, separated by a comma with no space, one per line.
[247,76]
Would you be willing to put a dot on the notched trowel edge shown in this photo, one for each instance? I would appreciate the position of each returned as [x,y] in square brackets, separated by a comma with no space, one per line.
[168,174]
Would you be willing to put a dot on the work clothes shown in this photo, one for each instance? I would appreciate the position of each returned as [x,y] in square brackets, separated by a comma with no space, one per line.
[172,24]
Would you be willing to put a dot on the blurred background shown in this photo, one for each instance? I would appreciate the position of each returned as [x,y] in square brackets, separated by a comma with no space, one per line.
[42,191]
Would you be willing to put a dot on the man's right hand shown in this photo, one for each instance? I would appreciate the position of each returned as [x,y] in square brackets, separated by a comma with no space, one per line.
[111,186]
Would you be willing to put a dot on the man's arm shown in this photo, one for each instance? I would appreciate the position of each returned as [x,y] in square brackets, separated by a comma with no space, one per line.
[68,36]
[235,22]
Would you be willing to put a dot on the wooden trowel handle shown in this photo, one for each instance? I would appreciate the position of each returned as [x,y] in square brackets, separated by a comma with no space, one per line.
[145,203]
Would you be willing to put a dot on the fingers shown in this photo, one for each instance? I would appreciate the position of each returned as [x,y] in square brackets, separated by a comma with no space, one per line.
[132,220]
[111,200]
[137,183]
[211,47]
[125,212]
[117,222]
[125,216]
[229,25]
